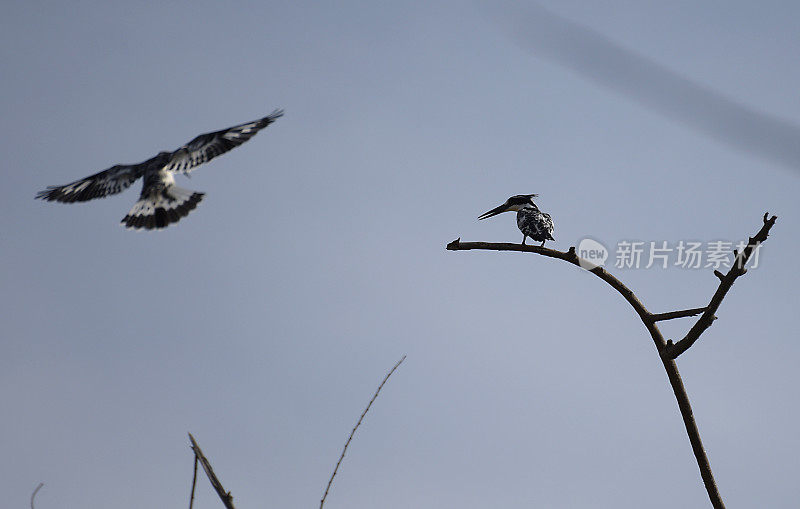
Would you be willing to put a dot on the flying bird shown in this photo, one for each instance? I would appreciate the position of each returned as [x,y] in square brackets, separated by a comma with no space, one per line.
[531,221]
[161,202]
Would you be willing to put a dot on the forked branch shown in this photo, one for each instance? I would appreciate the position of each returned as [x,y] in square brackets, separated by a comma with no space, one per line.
[726,281]
[225,496]
[667,351]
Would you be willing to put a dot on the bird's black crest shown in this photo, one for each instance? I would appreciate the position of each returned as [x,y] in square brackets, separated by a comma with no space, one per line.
[521,199]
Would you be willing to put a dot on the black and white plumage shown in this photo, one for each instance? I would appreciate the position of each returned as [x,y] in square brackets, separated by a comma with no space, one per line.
[161,202]
[531,221]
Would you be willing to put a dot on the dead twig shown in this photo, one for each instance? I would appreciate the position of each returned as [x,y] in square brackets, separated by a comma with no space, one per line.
[225,496]
[194,482]
[658,317]
[725,284]
[35,491]
[353,432]
[667,350]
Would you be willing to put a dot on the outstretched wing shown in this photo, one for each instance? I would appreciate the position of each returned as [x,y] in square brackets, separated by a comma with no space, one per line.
[110,181]
[208,146]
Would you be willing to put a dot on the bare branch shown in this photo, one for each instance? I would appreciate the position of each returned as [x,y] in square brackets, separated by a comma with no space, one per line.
[658,317]
[194,482]
[225,496]
[35,491]
[669,364]
[737,269]
[353,432]
[568,256]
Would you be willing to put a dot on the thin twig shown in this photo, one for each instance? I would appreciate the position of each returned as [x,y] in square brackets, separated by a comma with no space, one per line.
[194,482]
[658,317]
[725,283]
[33,495]
[353,432]
[225,496]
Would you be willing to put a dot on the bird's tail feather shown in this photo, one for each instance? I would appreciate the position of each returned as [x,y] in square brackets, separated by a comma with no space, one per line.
[160,209]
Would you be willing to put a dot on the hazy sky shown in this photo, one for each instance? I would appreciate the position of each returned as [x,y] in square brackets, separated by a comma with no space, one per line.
[264,321]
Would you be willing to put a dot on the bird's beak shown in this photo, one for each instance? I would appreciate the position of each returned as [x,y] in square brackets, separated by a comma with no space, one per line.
[499,210]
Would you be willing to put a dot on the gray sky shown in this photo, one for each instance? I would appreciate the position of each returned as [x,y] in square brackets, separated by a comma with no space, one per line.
[263,322]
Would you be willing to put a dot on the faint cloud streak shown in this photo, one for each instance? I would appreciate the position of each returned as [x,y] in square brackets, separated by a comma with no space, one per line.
[600,59]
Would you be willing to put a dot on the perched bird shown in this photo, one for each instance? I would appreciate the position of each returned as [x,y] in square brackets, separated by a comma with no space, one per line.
[161,202]
[531,221]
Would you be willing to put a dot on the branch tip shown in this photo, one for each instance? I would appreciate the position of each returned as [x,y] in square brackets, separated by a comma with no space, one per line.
[454,245]
[363,414]
[657,317]
[35,491]
[720,275]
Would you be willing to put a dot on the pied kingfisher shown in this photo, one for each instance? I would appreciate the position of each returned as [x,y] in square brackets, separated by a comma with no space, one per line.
[531,221]
[161,202]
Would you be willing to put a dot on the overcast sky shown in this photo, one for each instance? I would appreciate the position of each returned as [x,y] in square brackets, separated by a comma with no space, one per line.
[264,321]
